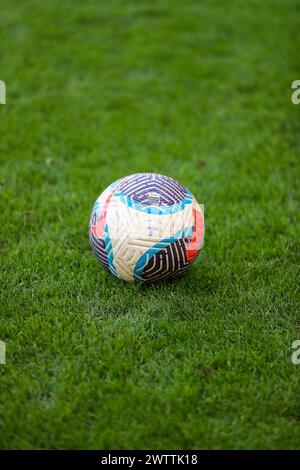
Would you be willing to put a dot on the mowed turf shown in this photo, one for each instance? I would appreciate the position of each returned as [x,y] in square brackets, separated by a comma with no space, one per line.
[198,91]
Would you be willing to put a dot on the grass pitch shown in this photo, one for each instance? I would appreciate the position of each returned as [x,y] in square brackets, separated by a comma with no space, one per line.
[194,90]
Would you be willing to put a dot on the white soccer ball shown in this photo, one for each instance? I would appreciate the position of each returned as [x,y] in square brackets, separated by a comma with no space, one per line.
[146,227]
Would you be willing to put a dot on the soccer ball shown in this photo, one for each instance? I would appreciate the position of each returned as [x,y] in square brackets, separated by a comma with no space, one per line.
[146,227]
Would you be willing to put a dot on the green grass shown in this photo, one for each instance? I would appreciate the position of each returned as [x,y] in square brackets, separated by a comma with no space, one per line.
[97,90]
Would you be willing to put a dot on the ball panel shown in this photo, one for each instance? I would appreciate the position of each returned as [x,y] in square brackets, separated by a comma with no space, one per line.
[197,238]
[167,263]
[102,249]
[150,188]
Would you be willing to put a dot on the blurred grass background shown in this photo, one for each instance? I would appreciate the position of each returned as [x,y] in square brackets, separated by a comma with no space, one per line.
[199,91]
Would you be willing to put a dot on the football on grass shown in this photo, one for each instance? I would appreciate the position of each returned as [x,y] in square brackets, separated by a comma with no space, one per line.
[146,227]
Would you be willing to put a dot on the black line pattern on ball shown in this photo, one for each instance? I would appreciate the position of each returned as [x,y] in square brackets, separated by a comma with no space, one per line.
[168,263]
[99,249]
[140,186]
